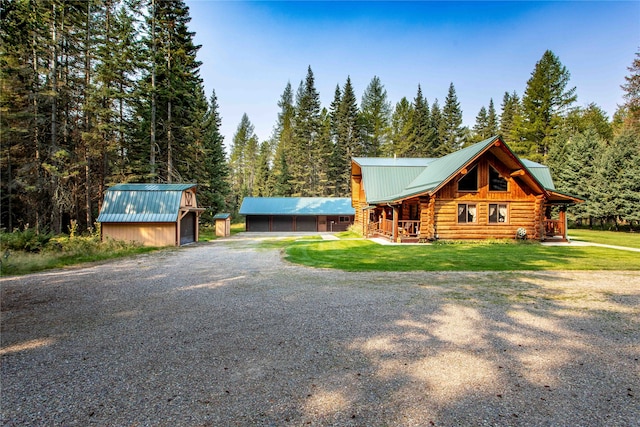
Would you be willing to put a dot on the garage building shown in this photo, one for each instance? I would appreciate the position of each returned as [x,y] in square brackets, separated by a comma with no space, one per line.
[282,214]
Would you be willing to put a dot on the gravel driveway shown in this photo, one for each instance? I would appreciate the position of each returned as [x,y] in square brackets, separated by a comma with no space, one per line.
[227,334]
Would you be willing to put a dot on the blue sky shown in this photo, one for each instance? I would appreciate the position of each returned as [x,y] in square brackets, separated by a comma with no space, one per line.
[250,50]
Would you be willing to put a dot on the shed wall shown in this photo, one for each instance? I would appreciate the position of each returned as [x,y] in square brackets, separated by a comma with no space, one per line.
[148,234]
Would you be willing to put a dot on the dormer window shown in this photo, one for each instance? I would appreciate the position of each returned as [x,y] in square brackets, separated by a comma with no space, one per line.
[496,182]
[469,182]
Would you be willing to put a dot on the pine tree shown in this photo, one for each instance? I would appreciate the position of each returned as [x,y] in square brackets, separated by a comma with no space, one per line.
[632,94]
[284,137]
[481,128]
[376,114]
[620,181]
[214,190]
[452,130]
[401,140]
[178,86]
[242,161]
[436,121]
[304,152]
[492,119]
[348,143]
[424,144]
[545,101]
[574,166]
[509,116]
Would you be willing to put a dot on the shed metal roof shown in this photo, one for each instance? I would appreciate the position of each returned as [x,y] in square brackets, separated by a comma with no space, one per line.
[142,202]
[296,206]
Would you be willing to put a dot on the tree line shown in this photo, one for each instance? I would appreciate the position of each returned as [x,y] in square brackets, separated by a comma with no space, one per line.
[98,92]
[310,151]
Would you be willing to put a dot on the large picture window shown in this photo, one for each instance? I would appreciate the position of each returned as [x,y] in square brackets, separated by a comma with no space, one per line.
[467,213]
[496,182]
[469,182]
[497,213]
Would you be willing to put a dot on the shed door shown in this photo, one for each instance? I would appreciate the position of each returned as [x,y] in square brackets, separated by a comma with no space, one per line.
[188,228]
[306,223]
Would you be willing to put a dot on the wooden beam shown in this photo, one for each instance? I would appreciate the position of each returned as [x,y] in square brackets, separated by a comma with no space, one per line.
[519,172]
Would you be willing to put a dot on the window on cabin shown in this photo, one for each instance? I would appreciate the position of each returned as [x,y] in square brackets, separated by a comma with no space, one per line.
[466,213]
[497,213]
[496,182]
[469,182]
[343,219]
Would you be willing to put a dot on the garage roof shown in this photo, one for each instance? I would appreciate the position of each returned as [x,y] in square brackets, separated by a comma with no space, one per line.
[296,206]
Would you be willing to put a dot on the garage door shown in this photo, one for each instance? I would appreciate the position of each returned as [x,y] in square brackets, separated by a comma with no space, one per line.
[306,223]
[188,228]
[282,223]
[257,223]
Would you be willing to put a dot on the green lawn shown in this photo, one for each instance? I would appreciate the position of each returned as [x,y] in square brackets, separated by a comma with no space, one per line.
[363,255]
[618,238]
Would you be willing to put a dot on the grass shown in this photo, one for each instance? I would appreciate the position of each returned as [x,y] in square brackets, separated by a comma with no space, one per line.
[617,238]
[363,255]
[63,251]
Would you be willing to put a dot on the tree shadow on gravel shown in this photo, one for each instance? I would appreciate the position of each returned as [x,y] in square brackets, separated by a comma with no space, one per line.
[217,336]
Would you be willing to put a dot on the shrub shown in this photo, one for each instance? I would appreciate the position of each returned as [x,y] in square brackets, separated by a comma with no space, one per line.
[28,240]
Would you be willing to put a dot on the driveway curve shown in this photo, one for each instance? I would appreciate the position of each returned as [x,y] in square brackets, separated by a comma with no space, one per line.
[229,334]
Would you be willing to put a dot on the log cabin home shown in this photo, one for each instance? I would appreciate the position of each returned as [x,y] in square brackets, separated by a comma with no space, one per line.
[482,191]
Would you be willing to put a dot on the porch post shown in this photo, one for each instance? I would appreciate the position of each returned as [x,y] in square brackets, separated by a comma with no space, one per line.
[395,224]
[562,216]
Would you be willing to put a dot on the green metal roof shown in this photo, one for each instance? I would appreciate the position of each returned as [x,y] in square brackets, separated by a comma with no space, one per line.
[296,206]
[385,176]
[540,172]
[142,202]
[221,216]
[393,184]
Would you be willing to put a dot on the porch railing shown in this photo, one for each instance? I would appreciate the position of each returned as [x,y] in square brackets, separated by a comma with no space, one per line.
[554,227]
[406,228]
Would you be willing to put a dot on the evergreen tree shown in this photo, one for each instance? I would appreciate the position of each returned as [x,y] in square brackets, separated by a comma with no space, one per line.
[619,186]
[452,130]
[262,187]
[214,189]
[580,119]
[241,160]
[481,128]
[492,119]
[632,94]
[284,136]
[401,140]
[348,143]
[304,153]
[178,87]
[376,114]
[338,147]
[436,121]
[424,144]
[511,111]
[574,165]
[545,101]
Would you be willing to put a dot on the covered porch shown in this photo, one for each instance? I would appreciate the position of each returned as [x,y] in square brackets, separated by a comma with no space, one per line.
[388,222]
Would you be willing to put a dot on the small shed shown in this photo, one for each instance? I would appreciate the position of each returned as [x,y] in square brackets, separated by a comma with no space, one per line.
[223,224]
[282,214]
[152,214]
